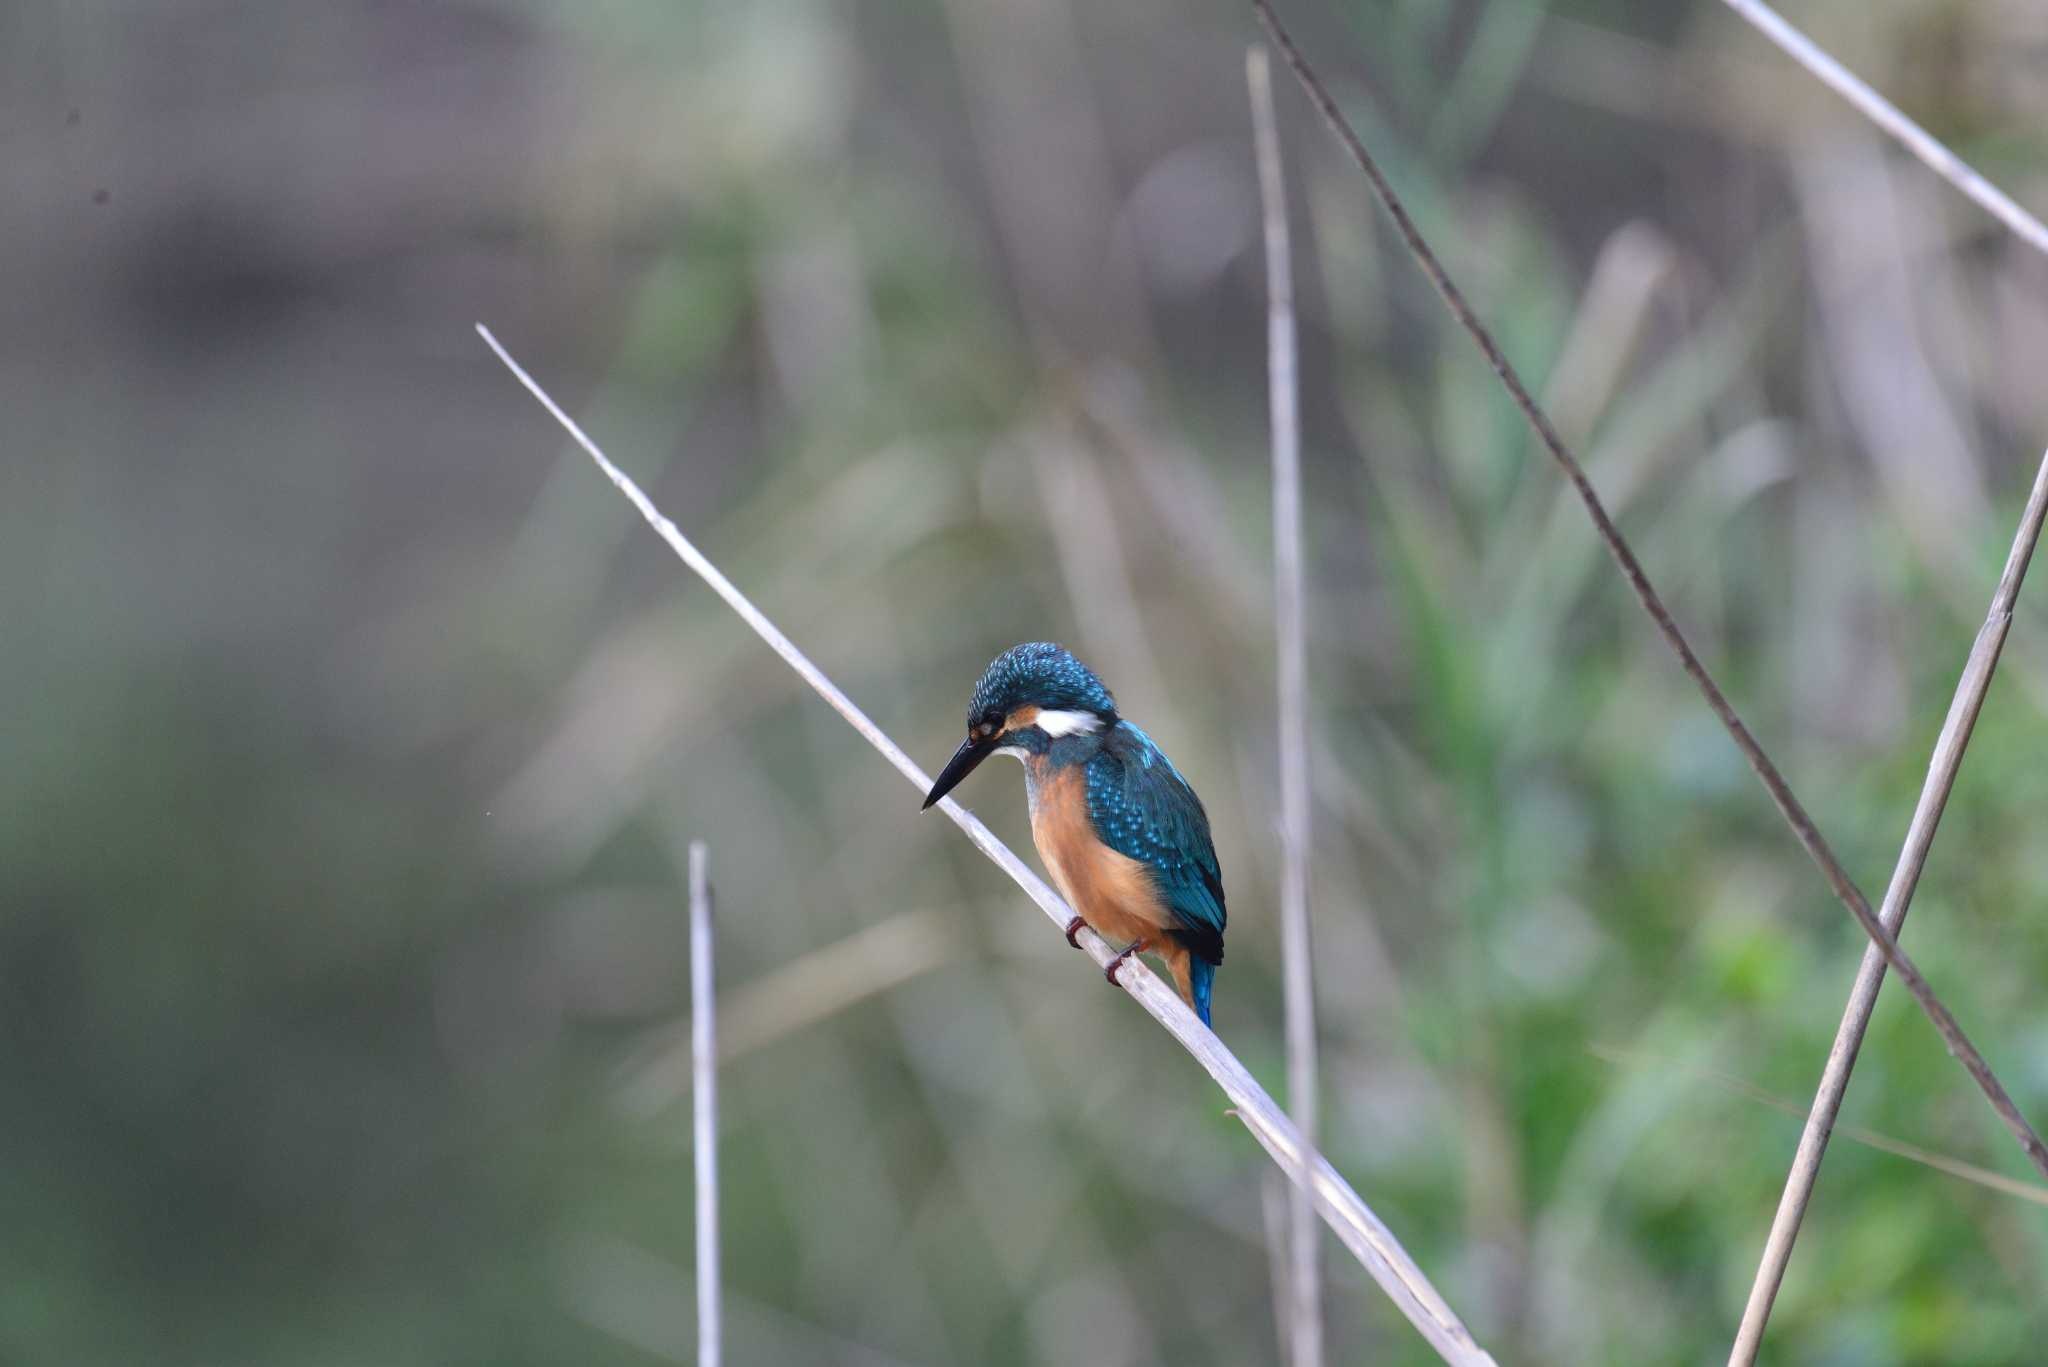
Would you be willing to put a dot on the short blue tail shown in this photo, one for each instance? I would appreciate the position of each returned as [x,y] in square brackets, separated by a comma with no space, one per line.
[1201,977]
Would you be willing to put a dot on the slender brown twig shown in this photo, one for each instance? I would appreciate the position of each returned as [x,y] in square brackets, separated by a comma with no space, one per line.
[1788,804]
[1304,1280]
[1361,1231]
[704,1103]
[1898,898]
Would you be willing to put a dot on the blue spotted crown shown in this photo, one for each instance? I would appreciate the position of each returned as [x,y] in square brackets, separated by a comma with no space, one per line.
[1039,674]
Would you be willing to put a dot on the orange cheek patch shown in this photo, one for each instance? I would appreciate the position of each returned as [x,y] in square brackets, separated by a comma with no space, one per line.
[1021,718]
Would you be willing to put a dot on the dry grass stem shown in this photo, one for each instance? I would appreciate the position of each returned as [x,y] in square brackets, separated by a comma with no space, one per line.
[1886,115]
[797,995]
[1954,1167]
[1274,1193]
[1304,1280]
[704,1102]
[1941,778]
[1355,1225]
[1766,770]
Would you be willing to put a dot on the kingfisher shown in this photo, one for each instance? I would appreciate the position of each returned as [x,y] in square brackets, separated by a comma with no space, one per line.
[1122,834]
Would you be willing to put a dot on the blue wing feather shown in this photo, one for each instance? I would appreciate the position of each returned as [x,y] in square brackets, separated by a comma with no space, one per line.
[1142,808]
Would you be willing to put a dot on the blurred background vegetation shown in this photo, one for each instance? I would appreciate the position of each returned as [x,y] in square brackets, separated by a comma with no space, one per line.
[353,728]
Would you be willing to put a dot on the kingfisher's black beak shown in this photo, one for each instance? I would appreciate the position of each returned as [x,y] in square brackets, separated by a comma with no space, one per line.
[970,753]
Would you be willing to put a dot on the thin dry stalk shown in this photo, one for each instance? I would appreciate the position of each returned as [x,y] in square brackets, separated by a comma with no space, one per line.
[1886,115]
[1375,1247]
[1788,804]
[1898,898]
[1954,1167]
[1304,1279]
[704,1103]
[793,997]
[1274,1192]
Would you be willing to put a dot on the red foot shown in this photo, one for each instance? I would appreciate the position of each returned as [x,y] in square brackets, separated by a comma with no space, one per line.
[1115,966]
[1073,929]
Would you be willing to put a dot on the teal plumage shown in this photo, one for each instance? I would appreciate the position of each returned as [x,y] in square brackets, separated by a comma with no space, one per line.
[1125,802]
[1142,808]
[1041,674]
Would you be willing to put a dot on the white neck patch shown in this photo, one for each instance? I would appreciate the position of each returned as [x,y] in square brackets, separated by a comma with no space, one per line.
[1057,724]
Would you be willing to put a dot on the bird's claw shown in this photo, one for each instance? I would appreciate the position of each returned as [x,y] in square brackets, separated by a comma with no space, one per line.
[1115,966]
[1073,929]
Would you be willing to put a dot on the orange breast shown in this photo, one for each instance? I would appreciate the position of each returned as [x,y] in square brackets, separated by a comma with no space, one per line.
[1112,892]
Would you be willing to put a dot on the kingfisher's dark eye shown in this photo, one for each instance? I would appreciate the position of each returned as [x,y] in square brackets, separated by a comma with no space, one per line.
[986,727]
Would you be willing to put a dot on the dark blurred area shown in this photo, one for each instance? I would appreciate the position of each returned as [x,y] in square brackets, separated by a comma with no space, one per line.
[352,728]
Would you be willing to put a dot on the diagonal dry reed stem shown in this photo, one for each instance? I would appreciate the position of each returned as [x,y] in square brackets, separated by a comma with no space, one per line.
[1304,1281]
[1788,804]
[1886,115]
[793,996]
[2032,1192]
[1354,1223]
[704,1105]
[1942,768]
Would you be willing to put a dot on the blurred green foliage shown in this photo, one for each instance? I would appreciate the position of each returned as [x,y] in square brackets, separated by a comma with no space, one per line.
[354,727]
